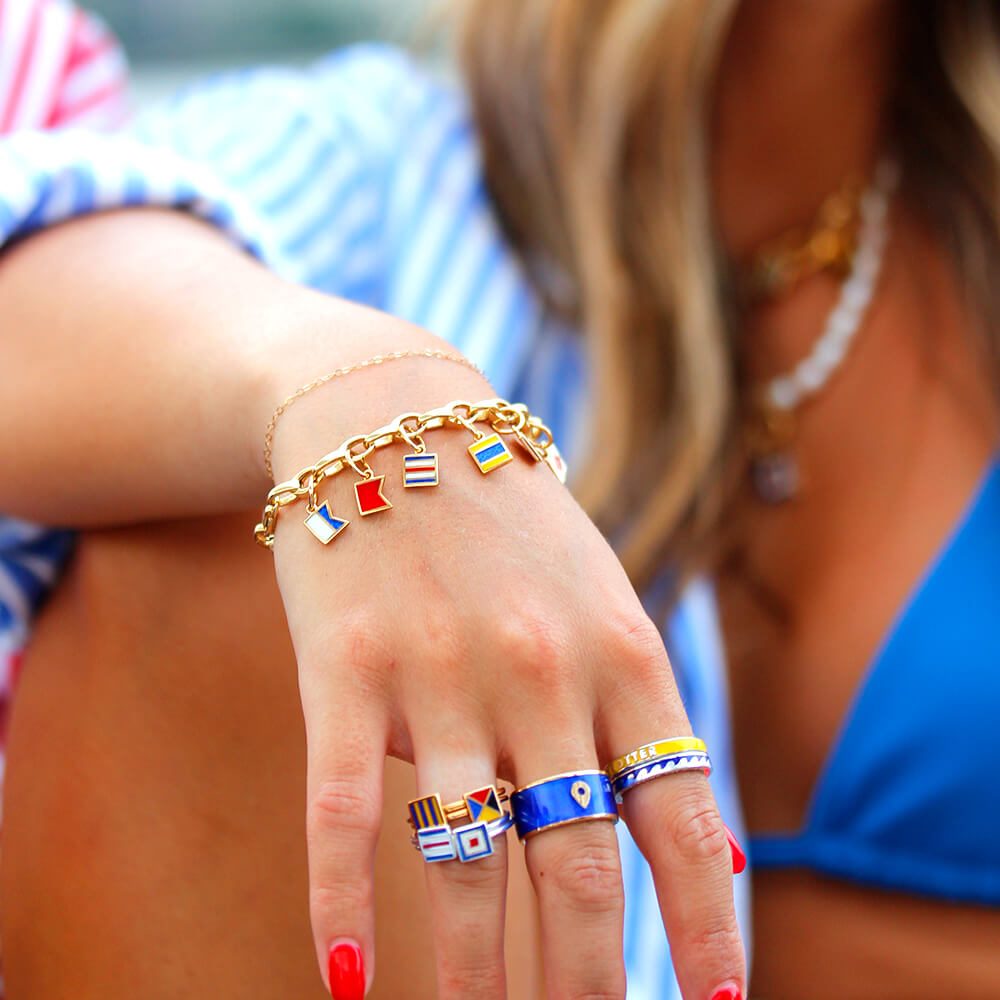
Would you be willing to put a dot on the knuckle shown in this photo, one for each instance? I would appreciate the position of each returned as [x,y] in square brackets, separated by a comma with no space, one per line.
[720,944]
[533,639]
[342,804]
[696,827]
[470,978]
[327,903]
[539,654]
[587,877]
[485,874]
[360,646]
[635,642]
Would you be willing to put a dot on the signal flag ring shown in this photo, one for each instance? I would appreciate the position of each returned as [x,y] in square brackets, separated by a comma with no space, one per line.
[438,840]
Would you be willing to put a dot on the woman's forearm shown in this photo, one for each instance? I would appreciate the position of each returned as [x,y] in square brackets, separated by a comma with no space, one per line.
[143,356]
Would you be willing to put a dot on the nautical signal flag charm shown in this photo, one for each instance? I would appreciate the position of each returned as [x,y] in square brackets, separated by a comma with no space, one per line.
[324,524]
[490,453]
[370,497]
[555,461]
[420,469]
[473,841]
[528,446]
[483,805]
[436,843]
[427,812]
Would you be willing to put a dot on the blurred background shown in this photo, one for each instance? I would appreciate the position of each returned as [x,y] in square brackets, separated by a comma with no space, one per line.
[169,44]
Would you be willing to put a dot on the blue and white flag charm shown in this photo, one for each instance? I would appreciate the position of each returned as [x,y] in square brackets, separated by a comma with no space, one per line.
[324,524]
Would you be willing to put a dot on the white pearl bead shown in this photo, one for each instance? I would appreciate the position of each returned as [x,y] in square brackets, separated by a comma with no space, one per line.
[866,262]
[856,295]
[830,352]
[811,374]
[842,327]
[784,393]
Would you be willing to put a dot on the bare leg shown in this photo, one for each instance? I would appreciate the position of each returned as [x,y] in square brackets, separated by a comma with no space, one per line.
[153,831]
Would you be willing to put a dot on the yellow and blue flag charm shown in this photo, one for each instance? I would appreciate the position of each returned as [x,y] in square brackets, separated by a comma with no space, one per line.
[490,453]
[427,812]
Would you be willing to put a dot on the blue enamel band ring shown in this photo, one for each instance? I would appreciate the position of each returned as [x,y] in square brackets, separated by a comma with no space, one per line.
[654,760]
[438,840]
[562,799]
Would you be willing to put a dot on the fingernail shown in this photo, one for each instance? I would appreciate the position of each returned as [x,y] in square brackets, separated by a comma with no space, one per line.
[347,972]
[739,858]
[728,992]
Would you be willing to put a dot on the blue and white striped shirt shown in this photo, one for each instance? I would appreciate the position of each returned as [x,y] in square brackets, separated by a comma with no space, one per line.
[359,177]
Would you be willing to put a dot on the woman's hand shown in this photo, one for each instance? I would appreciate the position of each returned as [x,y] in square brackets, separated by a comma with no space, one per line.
[483,628]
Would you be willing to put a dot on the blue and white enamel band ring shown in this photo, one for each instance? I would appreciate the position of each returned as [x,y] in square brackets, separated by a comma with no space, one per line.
[653,760]
[438,840]
[562,799]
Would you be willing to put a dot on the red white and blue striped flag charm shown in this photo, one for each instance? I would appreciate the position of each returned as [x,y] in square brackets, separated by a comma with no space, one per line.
[420,469]
[437,843]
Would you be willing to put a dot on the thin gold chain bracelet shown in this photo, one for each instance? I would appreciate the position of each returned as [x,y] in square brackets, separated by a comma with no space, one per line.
[378,359]
[488,451]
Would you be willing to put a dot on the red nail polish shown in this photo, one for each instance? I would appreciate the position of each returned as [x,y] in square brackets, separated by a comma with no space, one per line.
[739,858]
[347,972]
[730,992]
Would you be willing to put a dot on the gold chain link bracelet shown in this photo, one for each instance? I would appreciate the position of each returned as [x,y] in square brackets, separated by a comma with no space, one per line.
[379,359]
[488,451]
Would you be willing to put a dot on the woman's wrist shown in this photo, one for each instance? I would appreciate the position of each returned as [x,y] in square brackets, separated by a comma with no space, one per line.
[361,400]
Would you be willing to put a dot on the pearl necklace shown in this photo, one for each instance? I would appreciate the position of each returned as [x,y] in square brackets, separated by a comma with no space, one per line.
[774,469]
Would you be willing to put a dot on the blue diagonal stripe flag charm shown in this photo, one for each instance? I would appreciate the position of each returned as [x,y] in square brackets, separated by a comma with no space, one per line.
[324,524]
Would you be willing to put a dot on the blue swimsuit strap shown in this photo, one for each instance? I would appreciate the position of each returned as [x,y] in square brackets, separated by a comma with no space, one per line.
[903,800]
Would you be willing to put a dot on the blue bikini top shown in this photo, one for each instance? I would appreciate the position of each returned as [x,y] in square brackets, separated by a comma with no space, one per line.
[909,796]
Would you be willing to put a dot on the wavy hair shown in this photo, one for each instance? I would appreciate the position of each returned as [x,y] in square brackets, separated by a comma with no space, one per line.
[593,126]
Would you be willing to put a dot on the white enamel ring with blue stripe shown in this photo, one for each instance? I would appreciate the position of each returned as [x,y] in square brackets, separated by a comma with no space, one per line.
[462,843]
[693,760]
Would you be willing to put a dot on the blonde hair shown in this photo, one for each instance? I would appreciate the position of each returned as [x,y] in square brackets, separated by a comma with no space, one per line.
[592,118]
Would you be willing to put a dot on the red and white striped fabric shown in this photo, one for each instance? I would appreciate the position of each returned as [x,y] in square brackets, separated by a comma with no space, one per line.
[59,66]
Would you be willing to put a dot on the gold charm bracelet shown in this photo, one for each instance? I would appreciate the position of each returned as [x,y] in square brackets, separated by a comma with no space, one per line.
[488,451]
[379,359]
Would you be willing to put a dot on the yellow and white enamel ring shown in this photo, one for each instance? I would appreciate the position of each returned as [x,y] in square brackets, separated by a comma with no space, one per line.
[654,760]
